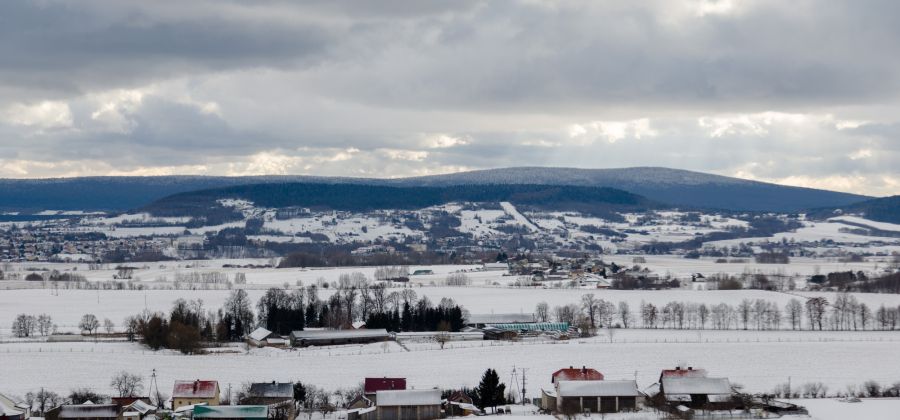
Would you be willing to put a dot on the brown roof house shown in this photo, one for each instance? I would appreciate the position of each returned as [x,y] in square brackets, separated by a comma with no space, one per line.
[195,392]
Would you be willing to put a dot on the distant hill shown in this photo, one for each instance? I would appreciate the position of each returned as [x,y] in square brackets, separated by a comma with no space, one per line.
[671,186]
[885,209]
[358,197]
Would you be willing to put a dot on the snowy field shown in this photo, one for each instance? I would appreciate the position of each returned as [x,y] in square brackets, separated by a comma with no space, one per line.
[759,366]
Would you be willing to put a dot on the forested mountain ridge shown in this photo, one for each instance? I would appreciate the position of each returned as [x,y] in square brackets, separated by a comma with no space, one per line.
[671,186]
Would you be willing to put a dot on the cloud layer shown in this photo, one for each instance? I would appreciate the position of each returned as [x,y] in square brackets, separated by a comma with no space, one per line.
[802,93]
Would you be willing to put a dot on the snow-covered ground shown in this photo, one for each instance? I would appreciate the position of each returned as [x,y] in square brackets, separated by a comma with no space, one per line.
[866,409]
[758,366]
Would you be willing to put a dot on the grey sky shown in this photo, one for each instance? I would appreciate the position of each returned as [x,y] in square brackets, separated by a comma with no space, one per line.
[802,92]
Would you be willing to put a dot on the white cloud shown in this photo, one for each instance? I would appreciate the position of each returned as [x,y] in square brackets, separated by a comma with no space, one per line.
[42,115]
[443,141]
[413,155]
[611,131]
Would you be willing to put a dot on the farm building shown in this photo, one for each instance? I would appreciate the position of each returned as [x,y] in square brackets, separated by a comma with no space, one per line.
[697,392]
[597,396]
[433,335]
[195,392]
[259,337]
[483,320]
[231,412]
[336,337]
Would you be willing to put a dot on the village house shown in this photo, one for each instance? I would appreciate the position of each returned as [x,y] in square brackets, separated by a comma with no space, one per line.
[371,386]
[277,396]
[597,396]
[187,393]
[691,388]
[138,409]
[575,374]
[460,404]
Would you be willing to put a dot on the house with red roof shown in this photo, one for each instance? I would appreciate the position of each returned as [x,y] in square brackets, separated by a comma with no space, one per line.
[575,374]
[195,392]
[371,386]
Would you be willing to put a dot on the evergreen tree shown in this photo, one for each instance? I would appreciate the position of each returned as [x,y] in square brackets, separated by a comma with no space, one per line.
[490,392]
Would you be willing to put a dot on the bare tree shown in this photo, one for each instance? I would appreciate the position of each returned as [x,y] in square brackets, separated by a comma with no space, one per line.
[24,325]
[109,326]
[589,305]
[625,314]
[542,312]
[44,324]
[89,323]
[127,384]
[794,310]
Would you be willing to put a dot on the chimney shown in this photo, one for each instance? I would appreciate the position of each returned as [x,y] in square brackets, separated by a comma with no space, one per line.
[196,384]
[584,370]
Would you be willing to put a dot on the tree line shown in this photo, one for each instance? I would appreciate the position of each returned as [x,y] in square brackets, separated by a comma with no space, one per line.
[844,313]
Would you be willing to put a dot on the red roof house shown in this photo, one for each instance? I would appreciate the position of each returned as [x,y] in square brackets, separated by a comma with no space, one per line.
[373,385]
[575,374]
[679,372]
[195,392]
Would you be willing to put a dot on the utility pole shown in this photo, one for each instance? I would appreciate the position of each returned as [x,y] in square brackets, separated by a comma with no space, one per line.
[788,396]
[523,386]
[154,385]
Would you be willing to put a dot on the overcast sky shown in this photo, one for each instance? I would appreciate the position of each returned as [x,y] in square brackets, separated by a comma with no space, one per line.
[795,92]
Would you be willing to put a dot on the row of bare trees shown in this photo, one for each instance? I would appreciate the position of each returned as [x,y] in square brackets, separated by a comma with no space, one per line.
[816,313]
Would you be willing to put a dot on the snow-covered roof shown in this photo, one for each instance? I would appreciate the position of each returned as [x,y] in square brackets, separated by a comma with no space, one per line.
[231,412]
[408,397]
[337,334]
[7,411]
[272,390]
[89,411]
[141,407]
[624,388]
[260,334]
[677,385]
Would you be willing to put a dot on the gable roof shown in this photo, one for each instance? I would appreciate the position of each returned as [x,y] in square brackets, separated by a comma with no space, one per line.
[575,374]
[682,373]
[8,411]
[624,388]
[195,389]
[373,385]
[272,390]
[408,397]
[260,334]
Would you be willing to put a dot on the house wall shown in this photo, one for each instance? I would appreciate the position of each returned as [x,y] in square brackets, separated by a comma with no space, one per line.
[181,402]
[596,404]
